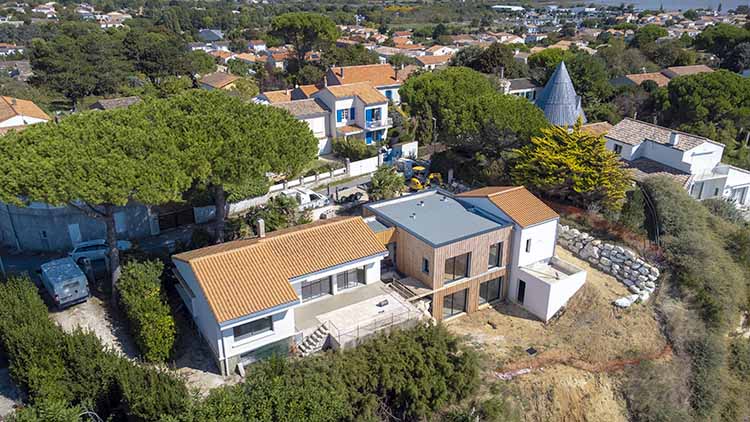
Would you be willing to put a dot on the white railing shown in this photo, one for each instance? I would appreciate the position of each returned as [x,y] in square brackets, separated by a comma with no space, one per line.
[370,124]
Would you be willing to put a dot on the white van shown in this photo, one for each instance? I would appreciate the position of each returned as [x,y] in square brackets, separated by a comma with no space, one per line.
[65,282]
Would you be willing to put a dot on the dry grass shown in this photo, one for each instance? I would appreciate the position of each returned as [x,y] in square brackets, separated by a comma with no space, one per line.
[579,352]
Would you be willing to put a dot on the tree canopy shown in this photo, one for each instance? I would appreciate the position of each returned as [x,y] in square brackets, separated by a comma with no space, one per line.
[648,34]
[386,183]
[305,31]
[574,166]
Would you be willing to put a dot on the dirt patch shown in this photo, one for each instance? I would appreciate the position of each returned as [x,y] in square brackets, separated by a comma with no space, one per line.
[590,339]
[94,315]
[567,394]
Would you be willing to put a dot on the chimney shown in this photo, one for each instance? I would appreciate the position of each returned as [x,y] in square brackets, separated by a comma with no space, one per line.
[13,101]
[261,228]
[402,66]
[342,72]
[674,138]
[502,72]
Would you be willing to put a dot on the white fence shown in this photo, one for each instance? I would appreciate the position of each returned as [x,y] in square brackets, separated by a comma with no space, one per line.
[353,169]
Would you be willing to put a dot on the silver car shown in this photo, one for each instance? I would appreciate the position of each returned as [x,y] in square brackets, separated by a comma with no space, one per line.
[94,250]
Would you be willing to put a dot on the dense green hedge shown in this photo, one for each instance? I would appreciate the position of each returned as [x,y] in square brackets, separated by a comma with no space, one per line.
[149,315]
[406,375]
[50,365]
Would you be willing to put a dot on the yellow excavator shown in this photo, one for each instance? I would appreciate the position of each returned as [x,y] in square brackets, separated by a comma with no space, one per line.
[422,180]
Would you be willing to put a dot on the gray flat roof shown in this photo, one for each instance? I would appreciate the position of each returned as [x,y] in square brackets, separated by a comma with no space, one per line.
[434,217]
[376,226]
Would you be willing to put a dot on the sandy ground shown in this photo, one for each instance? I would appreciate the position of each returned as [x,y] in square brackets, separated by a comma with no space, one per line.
[94,315]
[576,351]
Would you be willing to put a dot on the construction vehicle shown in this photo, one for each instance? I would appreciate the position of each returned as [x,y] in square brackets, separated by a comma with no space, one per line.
[422,180]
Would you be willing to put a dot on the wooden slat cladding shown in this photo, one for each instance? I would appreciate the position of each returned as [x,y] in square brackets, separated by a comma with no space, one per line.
[387,236]
[478,246]
[472,298]
[409,254]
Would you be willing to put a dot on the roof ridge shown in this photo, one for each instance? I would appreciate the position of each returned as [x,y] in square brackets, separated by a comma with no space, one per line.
[279,234]
[510,189]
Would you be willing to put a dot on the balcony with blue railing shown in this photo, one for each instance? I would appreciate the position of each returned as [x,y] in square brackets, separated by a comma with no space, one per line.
[381,123]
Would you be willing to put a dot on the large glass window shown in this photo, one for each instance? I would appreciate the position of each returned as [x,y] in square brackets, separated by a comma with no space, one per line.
[316,288]
[253,328]
[351,278]
[456,268]
[454,304]
[496,255]
[490,290]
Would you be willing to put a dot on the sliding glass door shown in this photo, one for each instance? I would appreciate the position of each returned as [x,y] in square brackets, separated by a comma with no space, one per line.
[454,304]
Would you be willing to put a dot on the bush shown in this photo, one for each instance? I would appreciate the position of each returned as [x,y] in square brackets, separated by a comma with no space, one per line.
[149,315]
[406,375]
[633,213]
[54,367]
[48,411]
[353,148]
[200,238]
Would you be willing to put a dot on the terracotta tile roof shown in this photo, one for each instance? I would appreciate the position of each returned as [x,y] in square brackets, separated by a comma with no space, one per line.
[375,74]
[639,78]
[349,129]
[634,132]
[113,103]
[11,107]
[220,54]
[676,71]
[247,276]
[246,57]
[517,203]
[284,95]
[597,129]
[304,108]
[218,80]
[436,60]
[435,48]
[363,90]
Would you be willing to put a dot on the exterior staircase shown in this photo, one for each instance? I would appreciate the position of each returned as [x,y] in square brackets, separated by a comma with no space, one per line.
[315,341]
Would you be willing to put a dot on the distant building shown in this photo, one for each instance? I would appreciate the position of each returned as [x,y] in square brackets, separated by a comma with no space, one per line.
[218,80]
[114,103]
[210,35]
[521,87]
[16,113]
[382,77]
[433,62]
[661,77]
[559,101]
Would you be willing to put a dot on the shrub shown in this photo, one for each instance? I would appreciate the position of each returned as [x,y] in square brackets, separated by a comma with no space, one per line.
[386,184]
[145,308]
[200,238]
[724,209]
[54,367]
[739,358]
[353,148]
[48,411]
[405,375]
[633,214]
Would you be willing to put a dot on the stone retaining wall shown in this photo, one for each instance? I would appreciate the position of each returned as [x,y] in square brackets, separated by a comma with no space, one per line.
[639,276]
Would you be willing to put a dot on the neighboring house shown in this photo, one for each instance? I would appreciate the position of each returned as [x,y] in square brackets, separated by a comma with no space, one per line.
[16,113]
[433,62]
[661,77]
[357,109]
[440,50]
[522,56]
[691,160]
[257,45]
[559,101]
[345,110]
[500,244]
[17,69]
[315,113]
[210,35]
[218,80]
[320,283]
[521,87]
[114,103]
[382,77]
[256,297]
[9,49]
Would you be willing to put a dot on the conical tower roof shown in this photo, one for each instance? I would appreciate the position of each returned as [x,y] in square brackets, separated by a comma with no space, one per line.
[559,101]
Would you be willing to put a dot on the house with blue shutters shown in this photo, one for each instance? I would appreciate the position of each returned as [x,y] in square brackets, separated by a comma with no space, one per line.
[356,110]
[336,111]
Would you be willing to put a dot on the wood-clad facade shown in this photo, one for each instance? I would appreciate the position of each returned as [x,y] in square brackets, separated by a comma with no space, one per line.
[412,252]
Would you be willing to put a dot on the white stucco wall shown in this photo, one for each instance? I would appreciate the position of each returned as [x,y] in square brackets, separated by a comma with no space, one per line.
[21,121]
[317,125]
[395,97]
[372,273]
[704,157]
[562,291]
[202,315]
[543,237]
[627,150]
[283,327]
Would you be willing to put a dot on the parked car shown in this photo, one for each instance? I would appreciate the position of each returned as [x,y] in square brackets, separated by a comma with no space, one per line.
[94,250]
[307,198]
[65,282]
